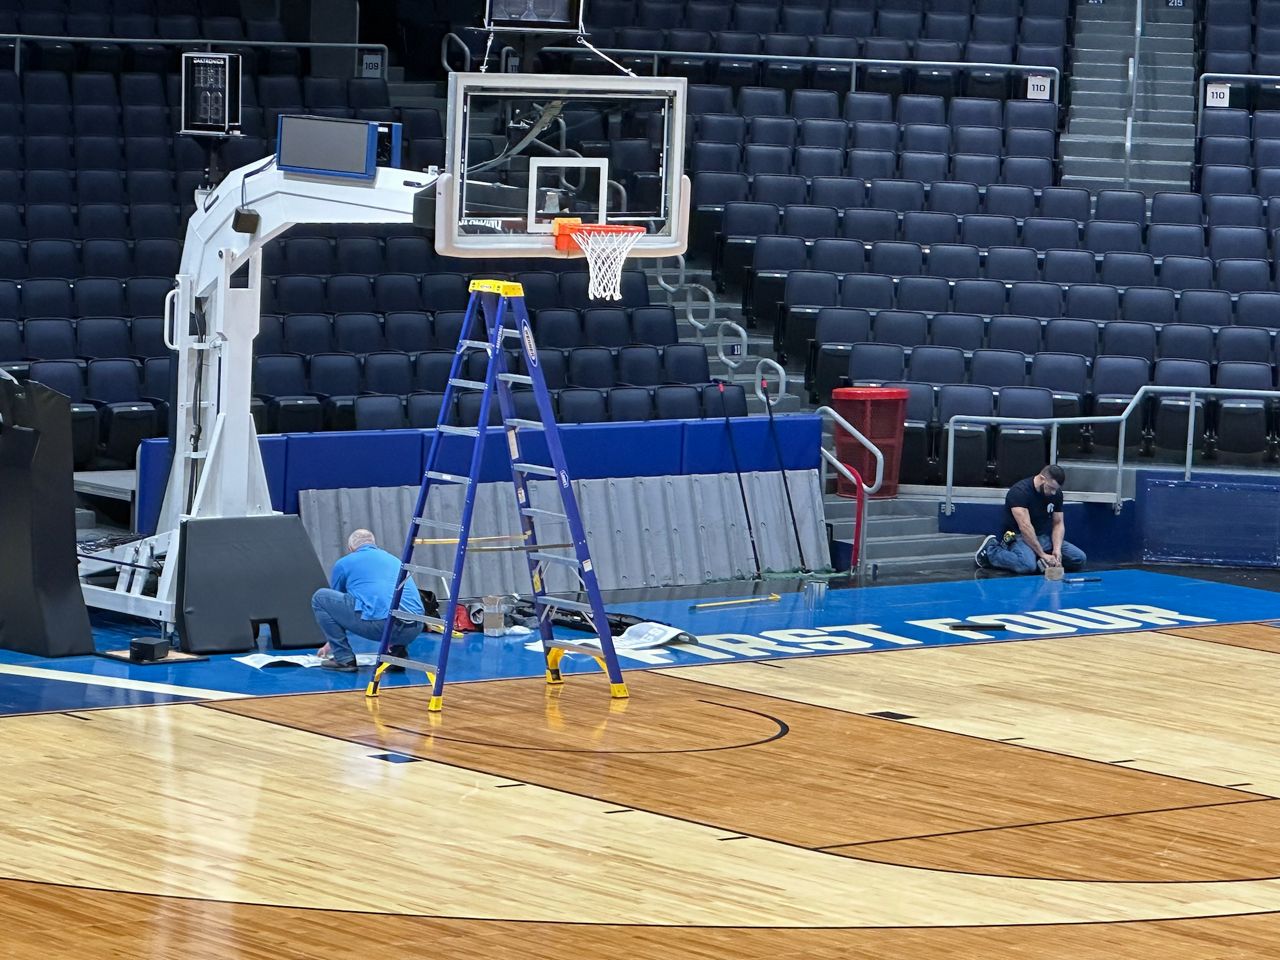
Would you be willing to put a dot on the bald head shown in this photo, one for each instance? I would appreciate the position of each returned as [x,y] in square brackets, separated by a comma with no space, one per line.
[360,538]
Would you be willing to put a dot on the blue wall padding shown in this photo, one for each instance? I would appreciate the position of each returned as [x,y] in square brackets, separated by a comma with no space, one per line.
[153,476]
[331,461]
[393,458]
[1093,527]
[455,457]
[1219,521]
[593,451]
[707,450]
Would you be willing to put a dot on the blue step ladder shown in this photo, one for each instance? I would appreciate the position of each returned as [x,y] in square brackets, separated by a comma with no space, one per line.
[496,314]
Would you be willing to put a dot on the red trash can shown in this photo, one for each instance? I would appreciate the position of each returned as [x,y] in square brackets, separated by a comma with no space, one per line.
[878,414]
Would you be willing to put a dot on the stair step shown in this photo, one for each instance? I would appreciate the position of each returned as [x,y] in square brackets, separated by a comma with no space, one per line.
[1106,169]
[884,528]
[1150,102]
[1086,41]
[1113,148]
[926,546]
[1123,26]
[1114,69]
[940,564]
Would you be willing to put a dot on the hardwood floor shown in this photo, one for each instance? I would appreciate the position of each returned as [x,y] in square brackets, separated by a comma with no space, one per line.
[740,810]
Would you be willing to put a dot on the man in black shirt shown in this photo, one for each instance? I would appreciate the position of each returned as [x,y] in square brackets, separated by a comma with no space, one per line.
[1033,535]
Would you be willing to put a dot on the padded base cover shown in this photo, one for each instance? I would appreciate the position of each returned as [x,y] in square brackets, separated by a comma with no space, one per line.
[236,573]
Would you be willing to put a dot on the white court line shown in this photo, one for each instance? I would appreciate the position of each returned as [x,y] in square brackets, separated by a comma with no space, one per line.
[122,683]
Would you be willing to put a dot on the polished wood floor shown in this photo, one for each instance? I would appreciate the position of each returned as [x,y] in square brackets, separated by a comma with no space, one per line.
[1102,796]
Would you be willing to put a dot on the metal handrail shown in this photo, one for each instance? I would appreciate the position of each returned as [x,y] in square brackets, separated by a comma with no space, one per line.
[1122,418]
[203,43]
[688,288]
[1208,78]
[444,52]
[738,331]
[853,63]
[853,431]
[777,368]
[1135,63]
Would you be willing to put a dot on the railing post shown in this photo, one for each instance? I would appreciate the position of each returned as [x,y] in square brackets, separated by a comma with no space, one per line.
[1124,423]
[1191,436]
[947,506]
[1053,442]
[17,58]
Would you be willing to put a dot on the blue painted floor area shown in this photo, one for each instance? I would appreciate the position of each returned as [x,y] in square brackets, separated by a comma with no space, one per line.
[847,621]
[22,694]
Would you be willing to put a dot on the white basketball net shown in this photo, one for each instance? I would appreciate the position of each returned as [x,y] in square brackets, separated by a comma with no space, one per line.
[606,251]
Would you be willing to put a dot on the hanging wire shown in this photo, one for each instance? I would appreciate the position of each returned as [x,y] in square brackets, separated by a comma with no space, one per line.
[603,56]
[484,64]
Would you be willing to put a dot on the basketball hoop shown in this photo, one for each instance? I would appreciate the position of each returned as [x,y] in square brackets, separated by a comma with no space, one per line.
[605,245]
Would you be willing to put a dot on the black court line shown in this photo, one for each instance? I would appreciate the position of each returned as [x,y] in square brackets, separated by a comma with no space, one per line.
[1046,823]
[938,730]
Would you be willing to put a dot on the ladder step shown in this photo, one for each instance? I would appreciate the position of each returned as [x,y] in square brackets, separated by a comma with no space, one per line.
[516,378]
[564,603]
[466,384]
[442,524]
[536,512]
[571,647]
[459,431]
[510,334]
[525,424]
[422,665]
[420,618]
[555,558]
[534,469]
[474,344]
[446,477]
[429,571]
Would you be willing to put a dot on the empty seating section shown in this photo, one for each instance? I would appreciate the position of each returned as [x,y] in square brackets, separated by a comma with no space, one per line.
[1032,32]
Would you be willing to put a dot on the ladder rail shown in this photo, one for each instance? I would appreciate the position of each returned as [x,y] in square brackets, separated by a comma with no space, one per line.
[406,555]
[515,447]
[473,488]
[500,309]
[577,532]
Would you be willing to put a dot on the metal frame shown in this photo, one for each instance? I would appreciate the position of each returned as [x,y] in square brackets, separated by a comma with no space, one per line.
[658,56]
[862,490]
[226,59]
[538,164]
[507,25]
[199,43]
[671,241]
[1148,390]
[1246,79]
[370,149]
[210,323]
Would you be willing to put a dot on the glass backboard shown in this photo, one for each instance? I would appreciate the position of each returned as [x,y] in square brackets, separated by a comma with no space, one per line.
[525,149]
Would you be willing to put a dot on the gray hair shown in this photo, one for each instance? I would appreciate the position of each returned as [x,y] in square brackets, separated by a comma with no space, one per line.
[361,538]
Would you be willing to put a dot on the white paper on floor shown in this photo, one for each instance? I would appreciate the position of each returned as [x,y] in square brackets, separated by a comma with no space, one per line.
[260,660]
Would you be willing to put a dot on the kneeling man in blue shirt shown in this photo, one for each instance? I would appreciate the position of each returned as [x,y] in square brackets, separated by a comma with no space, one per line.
[358,601]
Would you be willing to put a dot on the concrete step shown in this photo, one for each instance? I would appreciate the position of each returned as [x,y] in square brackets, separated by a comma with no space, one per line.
[1123,26]
[1185,103]
[1148,187]
[1117,69]
[1106,169]
[1088,40]
[1083,126]
[945,563]
[836,507]
[925,546]
[1118,83]
[1118,113]
[884,528]
[1113,148]
[85,519]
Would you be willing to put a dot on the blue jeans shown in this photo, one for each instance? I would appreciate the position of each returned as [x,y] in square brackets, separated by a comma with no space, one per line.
[337,616]
[1020,558]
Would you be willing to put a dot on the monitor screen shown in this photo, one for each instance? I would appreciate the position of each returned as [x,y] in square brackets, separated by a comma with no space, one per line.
[326,146]
[534,15]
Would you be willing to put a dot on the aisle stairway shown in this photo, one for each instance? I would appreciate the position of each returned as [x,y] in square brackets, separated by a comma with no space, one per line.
[1163,142]
[902,538]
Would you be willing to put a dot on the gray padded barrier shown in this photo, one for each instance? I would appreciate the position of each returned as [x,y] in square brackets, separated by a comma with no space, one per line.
[643,531]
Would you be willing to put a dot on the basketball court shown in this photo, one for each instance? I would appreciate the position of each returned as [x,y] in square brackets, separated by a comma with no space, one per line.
[846,779]
[981,767]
